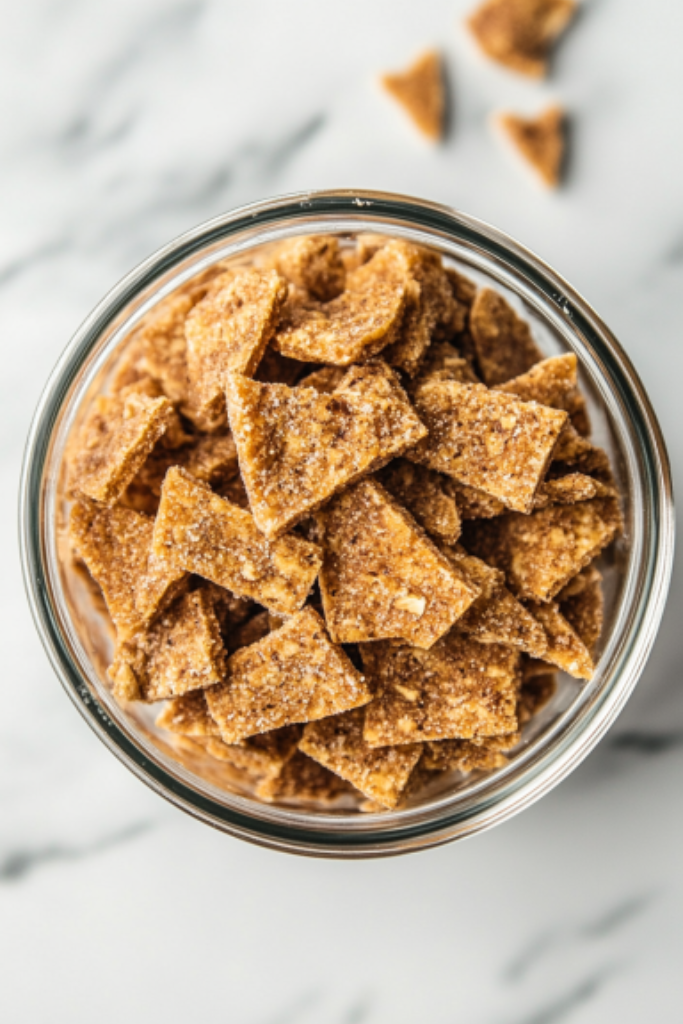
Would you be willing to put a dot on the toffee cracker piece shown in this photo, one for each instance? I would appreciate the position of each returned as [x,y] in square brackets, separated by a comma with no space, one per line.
[420,92]
[443,361]
[537,689]
[249,632]
[210,459]
[541,552]
[565,647]
[275,368]
[356,325]
[503,342]
[312,263]
[261,757]
[380,773]
[456,690]
[325,380]
[197,530]
[302,778]
[116,546]
[425,495]
[475,504]
[539,141]
[293,675]
[381,576]
[486,439]
[549,382]
[228,331]
[469,755]
[297,447]
[582,604]
[188,716]
[574,453]
[520,33]
[162,340]
[115,440]
[567,490]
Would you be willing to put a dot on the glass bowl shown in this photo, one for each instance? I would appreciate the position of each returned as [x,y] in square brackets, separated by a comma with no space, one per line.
[77,636]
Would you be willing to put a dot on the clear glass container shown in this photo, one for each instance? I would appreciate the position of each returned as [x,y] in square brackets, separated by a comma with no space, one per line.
[77,636]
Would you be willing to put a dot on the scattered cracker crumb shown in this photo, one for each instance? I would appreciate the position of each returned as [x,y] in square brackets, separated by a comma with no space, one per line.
[539,140]
[520,33]
[420,90]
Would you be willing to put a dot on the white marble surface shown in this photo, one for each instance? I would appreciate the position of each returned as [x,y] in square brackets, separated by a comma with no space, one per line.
[123,124]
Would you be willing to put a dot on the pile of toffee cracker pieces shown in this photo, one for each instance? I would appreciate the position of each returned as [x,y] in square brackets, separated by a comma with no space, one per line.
[344,517]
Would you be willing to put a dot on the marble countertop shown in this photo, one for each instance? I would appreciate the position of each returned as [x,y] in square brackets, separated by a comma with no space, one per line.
[124,124]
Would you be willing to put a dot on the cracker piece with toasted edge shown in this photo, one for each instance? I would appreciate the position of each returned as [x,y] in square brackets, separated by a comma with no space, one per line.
[539,141]
[443,361]
[541,552]
[475,504]
[297,447]
[575,454]
[420,91]
[382,577]
[565,647]
[325,380]
[497,617]
[519,33]
[188,716]
[567,490]
[210,459]
[295,674]
[503,342]
[302,778]
[261,757]
[469,755]
[228,331]
[116,546]
[582,604]
[486,439]
[198,531]
[380,773]
[356,325]
[115,440]
[424,494]
[549,382]
[456,690]
[181,651]
[312,263]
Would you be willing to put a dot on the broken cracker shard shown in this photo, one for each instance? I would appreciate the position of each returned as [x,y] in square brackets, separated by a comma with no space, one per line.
[540,141]
[520,33]
[420,90]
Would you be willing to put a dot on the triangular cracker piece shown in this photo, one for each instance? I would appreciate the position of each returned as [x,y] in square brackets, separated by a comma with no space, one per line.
[293,675]
[420,91]
[381,773]
[486,439]
[519,33]
[549,382]
[502,340]
[382,577]
[297,447]
[565,647]
[539,140]
[228,331]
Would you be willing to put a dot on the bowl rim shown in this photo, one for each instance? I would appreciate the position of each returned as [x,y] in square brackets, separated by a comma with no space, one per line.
[292,832]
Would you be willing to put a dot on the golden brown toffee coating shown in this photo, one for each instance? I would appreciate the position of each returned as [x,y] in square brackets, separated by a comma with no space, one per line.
[210,459]
[567,490]
[519,33]
[444,362]
[538,140]
[188,716]
[565,647]
[581,602]
[549,382]
[297,447]
[502,340]
[262,757]
[420,91]
[538,688]
[486,439]
[228,331]
[381,576]
[469,755]
[425,495]
[293,675]
[381,773]
[456,690]
[302,778]
[198,531]
[314,264]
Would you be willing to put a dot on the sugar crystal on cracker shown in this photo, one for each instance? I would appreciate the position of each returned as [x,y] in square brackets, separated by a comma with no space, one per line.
[502,340]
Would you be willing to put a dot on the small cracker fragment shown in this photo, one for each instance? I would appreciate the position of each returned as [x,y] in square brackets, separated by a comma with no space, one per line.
[115,440]
[567,490]
[475,504]
[380,773]
[503,342]
[541,552]
[325,380]
[486,439]
[313,263]
[261,757]
[228,331]
[565,647]
[574,453]
[210,459]
[469,755]
[426,496]
[356,325]
[297,447]
[293,675]
[302,778]
[198,531]
[549,382]
[538,688]
[456,690]
[421,93]
[381,576]
[443,361]
[582,604]
[539,140]
[188,716]
[519,33]
[116,546]
[162,338]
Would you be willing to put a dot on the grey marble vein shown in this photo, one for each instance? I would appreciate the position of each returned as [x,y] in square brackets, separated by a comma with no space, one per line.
[26,263]
[17,864]
[650,744]
[565,1006]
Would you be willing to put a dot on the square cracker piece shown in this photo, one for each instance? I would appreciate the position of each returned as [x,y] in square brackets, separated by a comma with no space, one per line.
[457,690]
[382,577]
[426,496]
[293,675]
[485,439]
[228,331]
[113,443]
[356,325]
[198,531]
[502,340]
[541,552]
[380,773]
[297,448]
[519,33]
[116,546]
